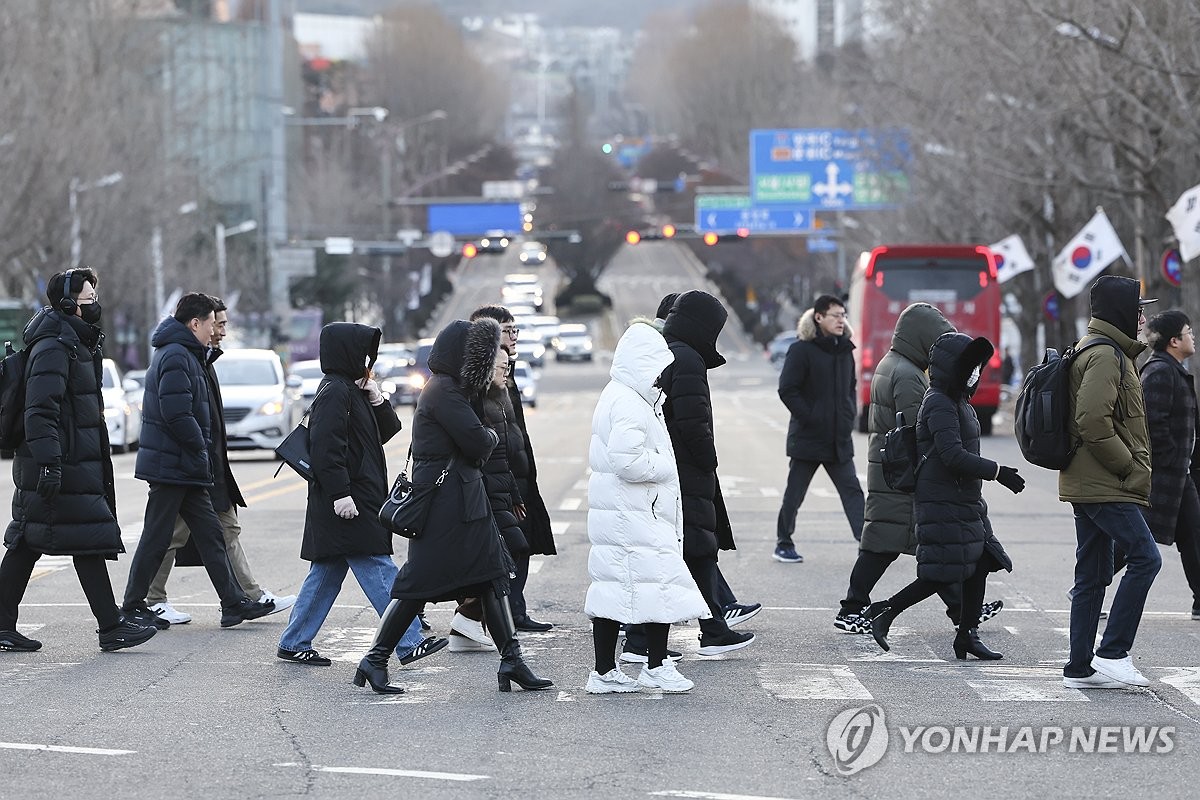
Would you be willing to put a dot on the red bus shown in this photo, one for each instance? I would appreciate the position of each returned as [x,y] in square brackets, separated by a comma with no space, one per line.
[959,279]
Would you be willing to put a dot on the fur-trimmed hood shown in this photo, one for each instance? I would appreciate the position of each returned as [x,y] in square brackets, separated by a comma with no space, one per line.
[952,359]
[807,330]
[466,351]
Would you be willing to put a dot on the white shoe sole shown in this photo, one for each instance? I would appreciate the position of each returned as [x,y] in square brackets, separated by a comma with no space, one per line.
[1088,683]
[174,617]
[666,689]
[1129,680]
[464,644]
[783,560]
[618,688]
[719,649]
[635,658]
[733,622]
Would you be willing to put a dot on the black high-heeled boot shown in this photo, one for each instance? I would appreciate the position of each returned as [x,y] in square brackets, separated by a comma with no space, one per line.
[512,666]
[881,616]
[373,668]
[967,641]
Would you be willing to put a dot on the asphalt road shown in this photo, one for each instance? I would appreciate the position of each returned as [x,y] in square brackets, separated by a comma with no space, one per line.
[205,712]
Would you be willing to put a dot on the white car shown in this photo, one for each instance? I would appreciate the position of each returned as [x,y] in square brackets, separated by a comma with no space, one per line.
[310,375]
[526,383]
[532,253]
[261,405]
[573,341]
[122,413]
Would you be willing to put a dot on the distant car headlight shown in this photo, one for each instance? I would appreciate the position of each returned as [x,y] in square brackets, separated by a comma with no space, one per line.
[484,242]
[416,381]
[524,258]
[271,408]
[504,242]
[587,345]
[527,391]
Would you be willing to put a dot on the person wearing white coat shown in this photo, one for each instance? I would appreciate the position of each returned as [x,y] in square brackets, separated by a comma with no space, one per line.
[635,520]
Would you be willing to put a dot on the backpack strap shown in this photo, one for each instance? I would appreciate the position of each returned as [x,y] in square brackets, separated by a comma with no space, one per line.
[1100,338]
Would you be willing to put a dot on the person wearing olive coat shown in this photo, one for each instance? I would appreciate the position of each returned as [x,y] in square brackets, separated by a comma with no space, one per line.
[459,553]
[889,530]
[349,422]
[955,543]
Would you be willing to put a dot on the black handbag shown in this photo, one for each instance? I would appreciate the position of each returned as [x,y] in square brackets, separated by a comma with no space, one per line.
[293,450]
[407,506]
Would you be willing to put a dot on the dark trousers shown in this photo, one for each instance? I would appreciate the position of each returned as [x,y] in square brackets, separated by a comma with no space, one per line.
[516,587]
[1098,527]
[192,503]
[800,475]
[604,638]
[17,567]
[716,593]
[972,595]
[869,568]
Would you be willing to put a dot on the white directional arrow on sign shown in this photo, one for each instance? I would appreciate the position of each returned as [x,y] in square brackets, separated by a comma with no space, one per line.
[831,189]
[712,219]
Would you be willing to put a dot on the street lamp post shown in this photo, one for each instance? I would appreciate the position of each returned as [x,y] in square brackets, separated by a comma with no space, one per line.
[76,186]
[224,233]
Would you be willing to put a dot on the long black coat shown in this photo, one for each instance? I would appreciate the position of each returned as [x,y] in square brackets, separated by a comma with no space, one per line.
[64,423]
[536,525]
[499,470]
[460,551]
[346,435]
[176,411]
[817,386]
[691,331]
[952,520]
[1170,394]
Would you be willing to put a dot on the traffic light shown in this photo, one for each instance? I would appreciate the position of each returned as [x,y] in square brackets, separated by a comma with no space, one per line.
[743,233]
[710,238]
[469,250]
[668,231]
[633,237]
[606,148]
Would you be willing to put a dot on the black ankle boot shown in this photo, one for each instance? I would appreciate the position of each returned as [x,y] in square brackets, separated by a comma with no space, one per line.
[512,665]
[373,668]
[968,642]
[881,616]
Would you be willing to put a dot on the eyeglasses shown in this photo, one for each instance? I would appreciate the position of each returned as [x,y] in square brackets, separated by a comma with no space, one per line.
[510,330]
[839,315]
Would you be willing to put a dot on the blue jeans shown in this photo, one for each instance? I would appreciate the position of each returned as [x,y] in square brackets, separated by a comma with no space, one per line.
[374,574]
[1097,527]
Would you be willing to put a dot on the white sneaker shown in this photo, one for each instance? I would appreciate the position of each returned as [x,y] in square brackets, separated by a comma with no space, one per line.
[461,644]
[471,629]
[172,616]
[1093,681]
[281,603]
[665,678]
[612,681]
[1120,669]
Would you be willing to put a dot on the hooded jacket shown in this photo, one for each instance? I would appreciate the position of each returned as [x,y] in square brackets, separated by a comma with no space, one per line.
[635,511]
[691,331]
[1170,395]
[1107,410]
[953,530]
[176,411]
[64,424]
[817,386]
[460,549]
[346,435]
[899,385]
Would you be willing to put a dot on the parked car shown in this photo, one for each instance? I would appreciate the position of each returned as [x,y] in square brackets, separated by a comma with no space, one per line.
[526,383]
[777,349]
[122,415]
[574,341]
[261,404]
[532,352]
[310,375]
[135,385]
[532,253]
[410,381]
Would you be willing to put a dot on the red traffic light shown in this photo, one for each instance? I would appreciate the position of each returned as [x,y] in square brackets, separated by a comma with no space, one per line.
[743,232]
[633,237]
[469,250]
[710,238]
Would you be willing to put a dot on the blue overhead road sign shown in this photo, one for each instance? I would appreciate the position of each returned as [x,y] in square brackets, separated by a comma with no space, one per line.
[474,219]
[728,212]
[829,168]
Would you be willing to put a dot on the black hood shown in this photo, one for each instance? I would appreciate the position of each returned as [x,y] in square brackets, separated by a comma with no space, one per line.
[466,351]
[952,359]
[664,307]
[348,348]
[1115,300]
[172,331]
[696,319]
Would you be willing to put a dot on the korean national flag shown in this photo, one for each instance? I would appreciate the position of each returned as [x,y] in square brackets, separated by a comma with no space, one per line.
[1011,258]
[1184,217]
[1086,256]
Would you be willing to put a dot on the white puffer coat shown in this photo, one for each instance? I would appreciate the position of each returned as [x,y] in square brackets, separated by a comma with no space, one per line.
[635,515]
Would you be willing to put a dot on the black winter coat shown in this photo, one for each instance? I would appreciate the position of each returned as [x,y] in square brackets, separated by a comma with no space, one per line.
[1170,395]
[817,386]
[500,468]
[536,525]
[225,492]
[346,435]
[953,530]
[691,331]
[460,552]
[64,424]
[176,411]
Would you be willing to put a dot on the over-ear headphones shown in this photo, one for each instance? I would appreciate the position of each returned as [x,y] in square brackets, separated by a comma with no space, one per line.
[66,303]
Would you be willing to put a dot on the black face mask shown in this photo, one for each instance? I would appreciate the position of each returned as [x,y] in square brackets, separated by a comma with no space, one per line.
[90,313]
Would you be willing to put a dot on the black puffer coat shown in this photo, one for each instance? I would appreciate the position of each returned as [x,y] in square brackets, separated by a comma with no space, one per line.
[1170,394]
[953,530]
[536,525]
[691,331]
[64,423]
[817,386]
[500,469]
[460,553]
[176,414]
[346,435]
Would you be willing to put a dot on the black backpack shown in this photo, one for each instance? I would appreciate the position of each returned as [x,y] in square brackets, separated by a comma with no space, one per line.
[1041,423]
[12,398]
[899,458]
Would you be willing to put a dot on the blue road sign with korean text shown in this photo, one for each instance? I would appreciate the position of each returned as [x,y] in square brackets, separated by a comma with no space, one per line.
[729,212]
[829,168]
[474,219]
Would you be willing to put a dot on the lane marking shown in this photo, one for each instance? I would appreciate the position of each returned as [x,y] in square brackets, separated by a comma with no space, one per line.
[570,504]
[1186,680]
[1038,691]
[712,795]
[559,528]
[535,564]
[57,748]
[812,682]
[396,773]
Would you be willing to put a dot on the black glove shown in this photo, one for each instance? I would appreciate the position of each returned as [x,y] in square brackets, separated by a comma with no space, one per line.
[1010,480]
[49,481]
